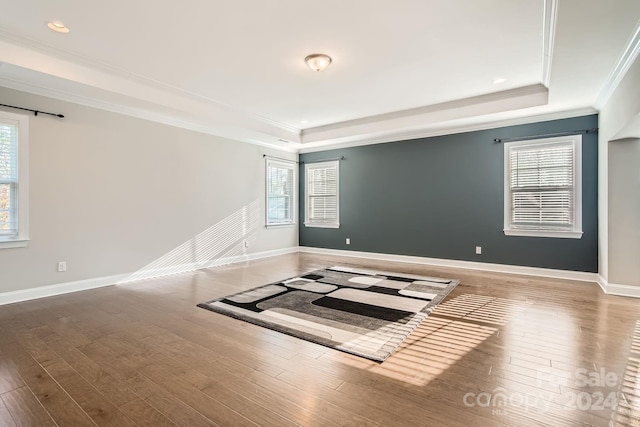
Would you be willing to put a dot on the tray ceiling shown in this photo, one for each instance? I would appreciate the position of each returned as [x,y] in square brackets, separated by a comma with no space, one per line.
[400,69]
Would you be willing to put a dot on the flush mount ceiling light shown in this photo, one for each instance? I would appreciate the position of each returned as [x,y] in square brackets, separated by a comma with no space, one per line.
[58,26]
[318,61]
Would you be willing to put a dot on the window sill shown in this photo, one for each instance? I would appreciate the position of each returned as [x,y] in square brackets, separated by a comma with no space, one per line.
[7,244]
[545,233]
[307,224]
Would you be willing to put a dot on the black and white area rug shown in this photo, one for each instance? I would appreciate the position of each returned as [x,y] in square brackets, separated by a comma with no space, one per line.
[364,312]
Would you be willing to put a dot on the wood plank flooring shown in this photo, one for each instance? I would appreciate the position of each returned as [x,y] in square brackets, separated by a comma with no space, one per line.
[500,350]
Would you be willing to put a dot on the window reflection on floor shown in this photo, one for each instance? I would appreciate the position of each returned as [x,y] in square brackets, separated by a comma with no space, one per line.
[432,348]
[628,409]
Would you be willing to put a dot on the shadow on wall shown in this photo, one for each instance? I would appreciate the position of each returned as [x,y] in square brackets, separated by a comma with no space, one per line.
[222,243]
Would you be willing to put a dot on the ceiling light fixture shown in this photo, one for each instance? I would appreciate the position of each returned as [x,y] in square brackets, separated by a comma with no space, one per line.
[499,80]
[318,61]
[58,26]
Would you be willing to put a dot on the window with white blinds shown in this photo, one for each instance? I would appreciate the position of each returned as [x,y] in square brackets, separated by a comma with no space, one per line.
[280,181]
[543,195]
[13,180]
[322,201]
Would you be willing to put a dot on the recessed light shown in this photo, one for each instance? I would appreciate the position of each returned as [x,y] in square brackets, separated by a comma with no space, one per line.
[304,122]
[499,80]
[58,26]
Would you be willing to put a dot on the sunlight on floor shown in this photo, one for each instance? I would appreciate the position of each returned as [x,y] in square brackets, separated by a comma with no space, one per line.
[442,340]
[220,244]
[431,349]
[628,409]
[481,308]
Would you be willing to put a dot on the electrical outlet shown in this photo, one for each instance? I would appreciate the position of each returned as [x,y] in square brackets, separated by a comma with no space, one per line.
[246,243]
[348,241]
[62,266]
[478,250]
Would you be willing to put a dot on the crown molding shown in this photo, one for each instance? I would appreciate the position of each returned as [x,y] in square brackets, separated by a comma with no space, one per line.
[23,50]
[450,130]
[292,147]
[82,80]
[630,130]
[418,119]
[548,38]
[629,55]
[141,113]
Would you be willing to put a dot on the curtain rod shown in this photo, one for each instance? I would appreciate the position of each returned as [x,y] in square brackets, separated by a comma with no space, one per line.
[36,112]
[546,135]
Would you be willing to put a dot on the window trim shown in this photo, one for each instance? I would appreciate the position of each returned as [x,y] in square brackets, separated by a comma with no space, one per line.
[317,165]
[286,164]
[21,240]
[576,232]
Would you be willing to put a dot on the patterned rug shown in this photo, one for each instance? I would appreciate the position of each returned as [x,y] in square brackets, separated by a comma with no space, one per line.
[364,312]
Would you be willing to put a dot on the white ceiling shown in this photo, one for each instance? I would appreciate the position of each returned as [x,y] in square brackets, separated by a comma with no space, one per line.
[400,69]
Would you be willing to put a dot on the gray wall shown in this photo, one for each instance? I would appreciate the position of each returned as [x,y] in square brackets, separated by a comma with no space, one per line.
[111,194]
[441,197]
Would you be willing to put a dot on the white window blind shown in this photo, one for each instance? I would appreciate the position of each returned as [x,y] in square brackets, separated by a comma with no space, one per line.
[280,192]
[322,201]
[542,187]
[14,131]
[8,181]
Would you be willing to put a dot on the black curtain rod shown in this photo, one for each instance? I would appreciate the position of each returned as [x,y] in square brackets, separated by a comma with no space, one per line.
[546,135]
[325,160]
[279,158]
[36,112]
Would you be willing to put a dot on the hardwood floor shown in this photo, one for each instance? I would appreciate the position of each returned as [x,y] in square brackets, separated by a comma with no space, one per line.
[501,350]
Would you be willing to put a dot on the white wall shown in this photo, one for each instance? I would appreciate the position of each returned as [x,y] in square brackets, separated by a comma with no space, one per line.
[620,185]
[110,194]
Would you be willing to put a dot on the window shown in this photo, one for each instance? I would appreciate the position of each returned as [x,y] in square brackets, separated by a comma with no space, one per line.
[280,192]
[14,149]
[322,200]
[543,194]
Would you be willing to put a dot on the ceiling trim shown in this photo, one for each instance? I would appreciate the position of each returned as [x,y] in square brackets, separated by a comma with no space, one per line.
[630,130]
[140,113]
[549,22]
[629,55]
[415,120]
[451,130]
[287,147]
[92,65]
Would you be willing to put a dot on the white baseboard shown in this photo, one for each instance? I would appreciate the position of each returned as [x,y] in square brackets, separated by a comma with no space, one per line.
[82,285]
[97,282]
[616,289]
[467,265]
[151,273]
[59,289]
[607,288]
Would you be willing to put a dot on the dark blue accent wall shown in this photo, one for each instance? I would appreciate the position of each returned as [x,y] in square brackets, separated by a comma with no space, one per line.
[441,197]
